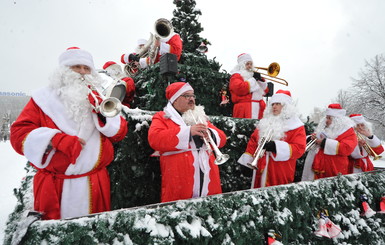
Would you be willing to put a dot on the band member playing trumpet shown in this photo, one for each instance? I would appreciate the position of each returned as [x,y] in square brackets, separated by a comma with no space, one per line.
[287,141]
[186,162]
[67,142]
[335,141]
[369,145]
[247,89]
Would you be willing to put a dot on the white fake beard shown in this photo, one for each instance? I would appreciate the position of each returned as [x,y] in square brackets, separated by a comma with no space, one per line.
[195,116]
[277,123]
[246,74]
[335,128]
[73,92]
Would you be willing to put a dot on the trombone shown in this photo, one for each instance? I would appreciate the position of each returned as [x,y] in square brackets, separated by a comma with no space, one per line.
[272,72]
[367,147]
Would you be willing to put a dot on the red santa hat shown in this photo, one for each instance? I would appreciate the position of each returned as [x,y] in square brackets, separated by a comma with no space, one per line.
[76,56]
[174,90]
[357,118]
[109,64]
[142,41]
[282,96]
[243,58]
[335,110]
[124,59]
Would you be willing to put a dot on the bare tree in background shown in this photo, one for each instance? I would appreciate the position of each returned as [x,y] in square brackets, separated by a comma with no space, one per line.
[367,95]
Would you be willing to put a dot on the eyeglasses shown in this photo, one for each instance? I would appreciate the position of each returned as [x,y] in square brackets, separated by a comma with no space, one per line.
[188,96]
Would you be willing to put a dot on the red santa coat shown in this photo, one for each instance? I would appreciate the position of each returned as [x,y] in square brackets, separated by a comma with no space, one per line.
[62,189]
[333,159]
[247,97]
[130,92]
[180,160]
[277,168]
[359,160]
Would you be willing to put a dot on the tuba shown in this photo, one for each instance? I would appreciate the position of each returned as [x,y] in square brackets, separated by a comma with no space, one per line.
[163,29]
[259,152]
[109,107]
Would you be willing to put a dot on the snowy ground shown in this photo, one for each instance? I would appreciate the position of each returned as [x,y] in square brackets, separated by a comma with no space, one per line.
[12,165]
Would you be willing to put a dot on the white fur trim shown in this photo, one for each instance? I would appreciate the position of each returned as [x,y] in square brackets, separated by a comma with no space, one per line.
[216,135]
[308,173]
[143,63]
[243,58]
[184,88]
[183,138]
[125,58]
[36,144]
[375,142]
[358,119]
[164,48]
[335,112]
[265,171]
[72,57]
[245,159]
[331,147]
[356,154]
[281,98]
[142,41]
[112,126]
[283,151]
[75,198]
[253,84]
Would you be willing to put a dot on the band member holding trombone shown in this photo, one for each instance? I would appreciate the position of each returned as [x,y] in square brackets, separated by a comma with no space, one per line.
[185,140]
[333,141]
[368,146]
[67,140]
[247,89]
[276,144]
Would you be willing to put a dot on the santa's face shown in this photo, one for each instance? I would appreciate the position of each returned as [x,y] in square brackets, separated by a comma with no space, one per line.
[329,120]
[81,69]
[276,108]
[249,66]
[185,102]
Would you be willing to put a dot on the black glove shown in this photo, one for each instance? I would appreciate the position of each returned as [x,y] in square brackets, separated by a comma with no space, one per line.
[133,57]
[270,146]
[257,76]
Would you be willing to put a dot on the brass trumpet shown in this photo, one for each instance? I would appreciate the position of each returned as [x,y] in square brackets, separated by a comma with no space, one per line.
[367,147]
[259,152]
[220,158]
[272,72]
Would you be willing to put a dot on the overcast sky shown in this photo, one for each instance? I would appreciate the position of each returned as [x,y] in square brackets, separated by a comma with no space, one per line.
[320,45]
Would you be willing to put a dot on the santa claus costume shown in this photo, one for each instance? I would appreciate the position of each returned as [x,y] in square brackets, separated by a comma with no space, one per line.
[277,167]
[246,92]
[187,166]
[71,178]
[115,71]
[330,158]
[359,160]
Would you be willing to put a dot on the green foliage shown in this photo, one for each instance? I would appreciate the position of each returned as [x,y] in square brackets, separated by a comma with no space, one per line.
[201,73]
[242,217]
[185,22]
[135,175]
